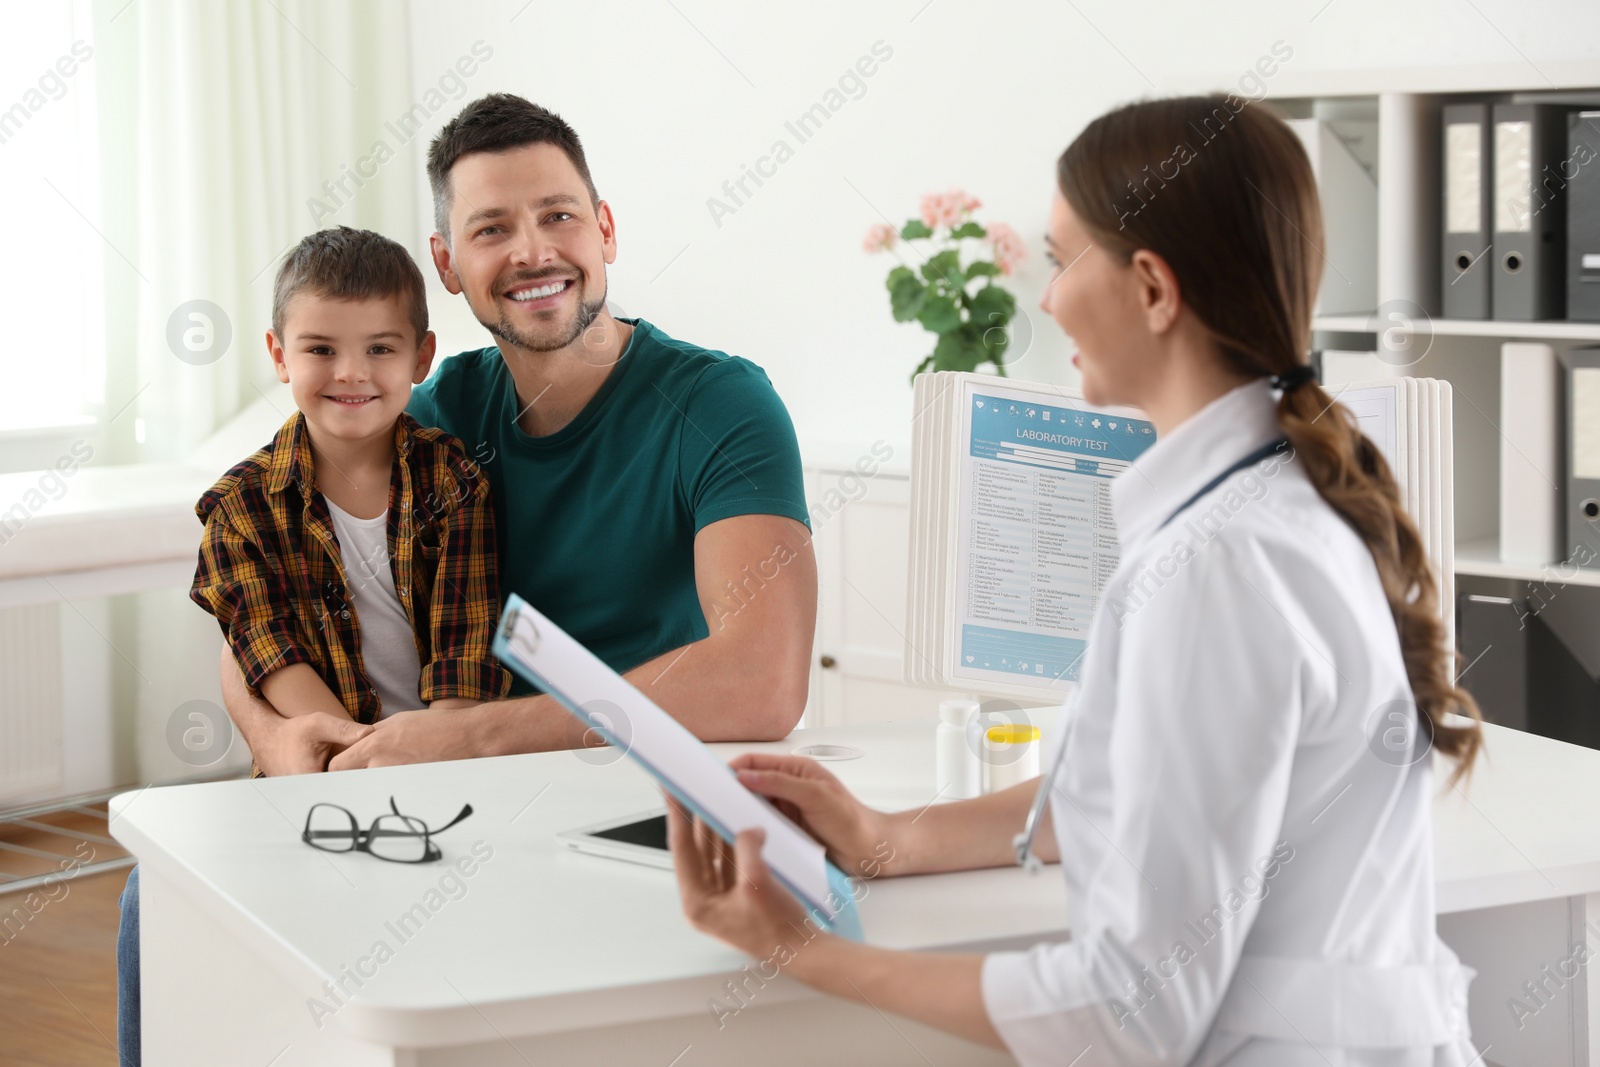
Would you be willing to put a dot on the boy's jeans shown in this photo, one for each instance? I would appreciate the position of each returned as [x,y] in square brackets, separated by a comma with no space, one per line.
[128,974]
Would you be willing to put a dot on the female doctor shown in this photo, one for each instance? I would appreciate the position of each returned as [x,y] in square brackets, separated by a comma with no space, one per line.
[1240,794]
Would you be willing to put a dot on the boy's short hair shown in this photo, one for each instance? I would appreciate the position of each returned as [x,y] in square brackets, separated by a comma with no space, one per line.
[349,264]
[498,122]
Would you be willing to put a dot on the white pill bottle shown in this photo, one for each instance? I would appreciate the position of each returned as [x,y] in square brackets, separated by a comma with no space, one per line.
[958,769]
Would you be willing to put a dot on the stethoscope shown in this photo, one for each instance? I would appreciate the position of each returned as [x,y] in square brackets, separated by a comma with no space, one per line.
[1023,842]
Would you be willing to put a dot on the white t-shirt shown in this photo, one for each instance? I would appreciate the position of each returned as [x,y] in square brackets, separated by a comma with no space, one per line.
[388,646]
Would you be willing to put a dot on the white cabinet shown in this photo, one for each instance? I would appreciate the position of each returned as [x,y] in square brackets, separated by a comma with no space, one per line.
[861,524]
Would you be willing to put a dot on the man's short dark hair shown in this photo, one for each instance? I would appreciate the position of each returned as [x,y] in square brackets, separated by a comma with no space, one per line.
[347,264]
[498,122]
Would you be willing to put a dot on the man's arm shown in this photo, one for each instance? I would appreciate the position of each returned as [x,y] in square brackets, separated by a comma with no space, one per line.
[756,576]
[757,580]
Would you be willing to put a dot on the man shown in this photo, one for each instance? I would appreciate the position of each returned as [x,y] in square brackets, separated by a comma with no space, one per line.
[647,492]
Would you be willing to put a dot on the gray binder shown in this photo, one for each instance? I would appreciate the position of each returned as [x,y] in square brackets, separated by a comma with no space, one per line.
[1583,455]
[1530,226]
[1468,260]
[1583,216]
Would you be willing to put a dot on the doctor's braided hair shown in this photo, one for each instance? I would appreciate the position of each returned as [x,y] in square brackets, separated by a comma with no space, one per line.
[1222,190]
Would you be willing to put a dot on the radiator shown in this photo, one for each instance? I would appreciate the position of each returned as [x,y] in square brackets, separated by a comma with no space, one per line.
[30,700]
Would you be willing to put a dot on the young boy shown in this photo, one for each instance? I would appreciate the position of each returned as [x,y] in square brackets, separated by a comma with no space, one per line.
[351,562]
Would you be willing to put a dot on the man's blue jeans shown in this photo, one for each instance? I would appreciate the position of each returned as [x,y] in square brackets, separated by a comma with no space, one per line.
[128,974]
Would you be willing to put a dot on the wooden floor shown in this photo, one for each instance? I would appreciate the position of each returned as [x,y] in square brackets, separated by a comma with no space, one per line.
[58,967]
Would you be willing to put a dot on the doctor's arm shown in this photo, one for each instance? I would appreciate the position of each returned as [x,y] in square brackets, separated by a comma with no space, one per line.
[756,578]
[928,839]
[729,892]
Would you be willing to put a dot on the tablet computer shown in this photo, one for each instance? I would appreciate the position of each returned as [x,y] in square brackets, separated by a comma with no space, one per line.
[640,838]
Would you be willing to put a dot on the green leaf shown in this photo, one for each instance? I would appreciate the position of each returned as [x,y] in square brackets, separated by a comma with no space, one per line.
[995,342]
[982,269]
[915,228]
[959,349]
[906,293]
[969,229]
[992,306]
[945,267]
[924,365]
[939,314]
[992,309]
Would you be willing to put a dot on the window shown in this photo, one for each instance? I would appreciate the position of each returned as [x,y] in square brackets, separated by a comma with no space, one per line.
[52,339]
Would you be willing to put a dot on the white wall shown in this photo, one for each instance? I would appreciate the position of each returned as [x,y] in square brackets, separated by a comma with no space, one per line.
[672,99]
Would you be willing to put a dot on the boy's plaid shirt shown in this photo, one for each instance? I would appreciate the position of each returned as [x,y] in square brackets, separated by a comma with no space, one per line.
[270,569]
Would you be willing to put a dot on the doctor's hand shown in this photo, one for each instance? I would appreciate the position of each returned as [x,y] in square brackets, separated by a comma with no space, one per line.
[858,838]
[728,890]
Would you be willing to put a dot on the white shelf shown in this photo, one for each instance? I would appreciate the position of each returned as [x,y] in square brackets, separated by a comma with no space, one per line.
[1558,331]
[1290,84]
[1482,558]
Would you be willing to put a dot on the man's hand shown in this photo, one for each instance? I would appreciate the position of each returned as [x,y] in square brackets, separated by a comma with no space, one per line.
[424,735]
[305,743]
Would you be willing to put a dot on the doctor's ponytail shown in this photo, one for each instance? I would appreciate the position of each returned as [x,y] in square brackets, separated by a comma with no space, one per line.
[1222,190]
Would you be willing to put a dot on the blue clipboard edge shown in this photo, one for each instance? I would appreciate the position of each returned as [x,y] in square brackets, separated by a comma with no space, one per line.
[846,921]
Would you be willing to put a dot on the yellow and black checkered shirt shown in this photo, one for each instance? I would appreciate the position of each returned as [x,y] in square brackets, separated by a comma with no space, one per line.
[270,569]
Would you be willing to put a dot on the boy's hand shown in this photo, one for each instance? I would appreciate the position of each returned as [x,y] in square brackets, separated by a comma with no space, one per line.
[420,736]
[305,743]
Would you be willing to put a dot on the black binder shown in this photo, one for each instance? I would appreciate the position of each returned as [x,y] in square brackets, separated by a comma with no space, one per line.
[1493,640]
[1522,674]
[1468,177]
[1583,215]
[1530,206]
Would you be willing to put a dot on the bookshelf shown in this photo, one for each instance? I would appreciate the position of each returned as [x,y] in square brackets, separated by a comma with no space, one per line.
[1507,331]
[1391,124]
[1481,559]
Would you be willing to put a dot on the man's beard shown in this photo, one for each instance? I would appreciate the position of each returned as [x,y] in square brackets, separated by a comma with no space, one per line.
[587,312]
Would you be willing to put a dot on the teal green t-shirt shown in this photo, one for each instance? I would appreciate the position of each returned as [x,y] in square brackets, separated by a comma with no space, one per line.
[596,522]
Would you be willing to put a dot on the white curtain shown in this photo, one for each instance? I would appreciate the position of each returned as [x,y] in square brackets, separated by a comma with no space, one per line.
[229,131]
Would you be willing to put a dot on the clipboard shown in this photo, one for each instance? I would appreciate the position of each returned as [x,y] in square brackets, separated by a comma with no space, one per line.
[542,653]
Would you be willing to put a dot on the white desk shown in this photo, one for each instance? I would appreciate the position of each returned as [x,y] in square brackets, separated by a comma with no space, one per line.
[550,957]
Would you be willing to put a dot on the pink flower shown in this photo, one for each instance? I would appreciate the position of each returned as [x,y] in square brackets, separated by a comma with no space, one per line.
[880,238]
[934,210]
[1009,248]
[948,209]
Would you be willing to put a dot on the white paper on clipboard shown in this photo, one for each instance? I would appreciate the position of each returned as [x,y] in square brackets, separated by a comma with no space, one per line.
[536,647]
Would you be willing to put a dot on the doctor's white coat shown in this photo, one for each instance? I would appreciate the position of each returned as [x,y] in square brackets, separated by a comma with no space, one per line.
[1244,806]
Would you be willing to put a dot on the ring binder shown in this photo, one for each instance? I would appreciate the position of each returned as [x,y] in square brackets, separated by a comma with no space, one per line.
[1582,170]
[1467,246]
[1530,204]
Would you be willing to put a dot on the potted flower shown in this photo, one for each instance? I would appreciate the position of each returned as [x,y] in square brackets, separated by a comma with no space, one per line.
[953,293]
